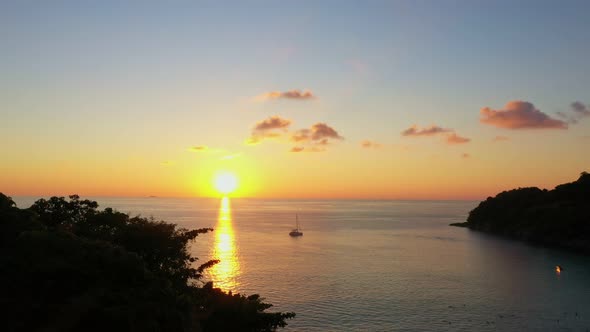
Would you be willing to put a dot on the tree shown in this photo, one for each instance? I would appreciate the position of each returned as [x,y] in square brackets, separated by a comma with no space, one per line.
[558,217]
[68,266]
[58,212]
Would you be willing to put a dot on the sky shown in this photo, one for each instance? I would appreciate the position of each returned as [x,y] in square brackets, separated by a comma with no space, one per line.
[305,99]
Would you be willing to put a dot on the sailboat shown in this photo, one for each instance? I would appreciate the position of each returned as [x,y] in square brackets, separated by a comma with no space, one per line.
[296,231]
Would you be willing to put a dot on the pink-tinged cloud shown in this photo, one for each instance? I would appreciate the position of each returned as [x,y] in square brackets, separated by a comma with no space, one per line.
[370,144]
[273,122]
[315,138]
[500,139]
[301,135]
[319,133]
[271,127]
[308,149]
[428,131]
[519,115]
[450,136]
[292,94]
[453,138]
[580,108]
[198,148]
[323,141]
[578,111]
[258,137]
[321,130]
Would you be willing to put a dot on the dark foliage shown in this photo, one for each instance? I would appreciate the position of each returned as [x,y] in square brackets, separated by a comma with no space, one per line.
[559,217]
[67,266]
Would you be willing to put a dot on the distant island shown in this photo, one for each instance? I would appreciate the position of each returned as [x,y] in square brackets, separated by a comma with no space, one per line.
[558,217]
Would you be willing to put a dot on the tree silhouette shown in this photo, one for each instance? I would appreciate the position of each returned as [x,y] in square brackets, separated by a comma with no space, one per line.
[67,266]
[559,217]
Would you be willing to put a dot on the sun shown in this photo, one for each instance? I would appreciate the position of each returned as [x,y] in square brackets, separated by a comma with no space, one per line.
[225,182]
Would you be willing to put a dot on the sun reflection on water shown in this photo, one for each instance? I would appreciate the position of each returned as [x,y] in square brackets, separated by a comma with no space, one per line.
[225,272]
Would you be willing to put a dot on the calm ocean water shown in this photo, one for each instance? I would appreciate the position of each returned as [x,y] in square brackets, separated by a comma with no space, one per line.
[379,265]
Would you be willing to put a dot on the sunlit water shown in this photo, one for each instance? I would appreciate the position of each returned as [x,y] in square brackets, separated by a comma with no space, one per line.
[379,265]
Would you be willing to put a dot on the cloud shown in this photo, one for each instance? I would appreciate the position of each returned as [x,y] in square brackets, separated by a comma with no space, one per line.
[292,94]
[272,127]
[321,130]
[429,131]
[500,138]
[578,111]
[319,133]
[465,155]
[258,137]
[315,138]
[519,115]
[307,149]
[370,144]
[273,122]
[453,138]
[198,148]
[301,135]
[450,136]
[580,108]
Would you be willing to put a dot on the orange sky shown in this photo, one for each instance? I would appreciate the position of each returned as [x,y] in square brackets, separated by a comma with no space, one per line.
[387,101]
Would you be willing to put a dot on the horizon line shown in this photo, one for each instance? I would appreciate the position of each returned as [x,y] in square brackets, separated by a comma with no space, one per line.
[256,197]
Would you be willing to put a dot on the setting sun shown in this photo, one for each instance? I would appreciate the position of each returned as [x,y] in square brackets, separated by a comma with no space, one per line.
[415,143]
[225,182]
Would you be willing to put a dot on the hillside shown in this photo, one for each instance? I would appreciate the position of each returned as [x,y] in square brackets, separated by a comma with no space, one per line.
[558,217]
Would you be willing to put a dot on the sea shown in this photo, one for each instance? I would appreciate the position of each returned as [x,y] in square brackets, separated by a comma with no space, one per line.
[382,265]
